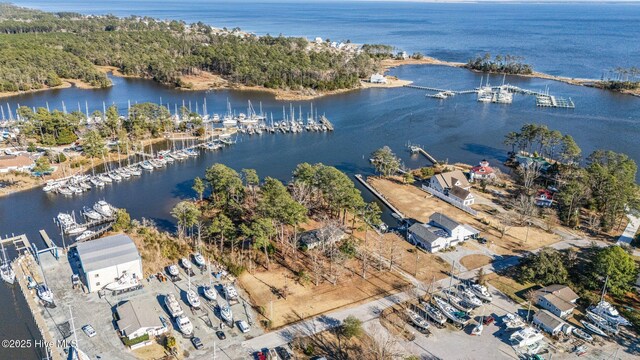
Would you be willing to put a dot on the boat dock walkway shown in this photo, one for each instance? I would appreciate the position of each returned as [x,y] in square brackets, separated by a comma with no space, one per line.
[47,240]
[419,149]
[324,121]
[429,88]
[555,102]
[379,196]
[91,224]
[19,241]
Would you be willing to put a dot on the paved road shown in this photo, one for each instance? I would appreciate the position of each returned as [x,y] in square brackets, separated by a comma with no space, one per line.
[630,231]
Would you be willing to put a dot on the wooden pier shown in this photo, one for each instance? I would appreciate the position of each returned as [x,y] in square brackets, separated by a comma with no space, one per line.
[419,149]
[555,102]
[429,88]
[20,242]
[324,121]
[379,196]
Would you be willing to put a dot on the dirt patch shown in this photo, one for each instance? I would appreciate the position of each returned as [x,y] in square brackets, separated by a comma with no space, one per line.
[153,351]
[392,82]
[419,205]
[414,261]
[308,300]
[475,261]
[513,289]
[17,181]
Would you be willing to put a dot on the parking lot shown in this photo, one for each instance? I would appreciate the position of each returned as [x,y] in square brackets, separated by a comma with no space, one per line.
[89,308]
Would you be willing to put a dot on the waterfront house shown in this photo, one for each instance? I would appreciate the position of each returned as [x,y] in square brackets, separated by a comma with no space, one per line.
[321,237]
[15,163]
[378,79]
[560,300]
[453,184]
[550,323]
[544,198]
[482,171]
[104,261]
[440,233]
[136,319]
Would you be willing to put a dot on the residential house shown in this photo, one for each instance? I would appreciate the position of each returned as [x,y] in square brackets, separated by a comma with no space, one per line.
[136,318]
[440,233]
[453,184]
[560,300]
[482,171]
[15,163]
[544,198]
[378,79]
[321,237]
[550,323]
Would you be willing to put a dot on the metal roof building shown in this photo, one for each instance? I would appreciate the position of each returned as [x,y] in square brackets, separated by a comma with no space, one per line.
[105,260]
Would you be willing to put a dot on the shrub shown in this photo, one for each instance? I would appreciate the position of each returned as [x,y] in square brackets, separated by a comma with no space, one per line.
[138,340]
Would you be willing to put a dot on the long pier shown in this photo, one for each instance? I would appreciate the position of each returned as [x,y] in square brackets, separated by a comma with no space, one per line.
[379,196]
[419,149]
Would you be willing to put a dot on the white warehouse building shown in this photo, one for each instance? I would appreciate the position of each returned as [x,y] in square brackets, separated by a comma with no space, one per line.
[104,261]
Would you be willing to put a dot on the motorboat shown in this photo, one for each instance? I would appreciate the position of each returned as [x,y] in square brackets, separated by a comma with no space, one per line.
[173,306]
[593,328]
[481,292]
[193,299]
[417,320]
[434,314]
[602,323]
[91,214]
[230,293]
[185,263]
[513,321]
[173,270]
[44,293]
[209,293]
[605,310]
[146,165]
[525,337]
[226,314]
[198,259]
[104,208]
[50,186]
[86,235]
[582,334]
[184,325]
[124,282]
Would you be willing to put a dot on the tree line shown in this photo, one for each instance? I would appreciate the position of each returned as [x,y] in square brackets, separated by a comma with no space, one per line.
[502,64]
[42,48]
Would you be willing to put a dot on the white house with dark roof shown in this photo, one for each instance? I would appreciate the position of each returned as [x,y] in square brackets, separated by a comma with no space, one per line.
[136,319]
[453,184]
[482,171]
[550,323]
[440,233]
[105,260]
[560,300]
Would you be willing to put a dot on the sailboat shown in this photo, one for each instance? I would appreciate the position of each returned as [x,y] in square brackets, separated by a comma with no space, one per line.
[8,275]
[607,311]
[477,330]
[207,290]
[226,314]
[192,297]
[44,293]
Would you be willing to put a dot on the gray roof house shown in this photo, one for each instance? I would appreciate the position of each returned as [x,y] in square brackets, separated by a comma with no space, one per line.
[136,318]
[323,236]
[453,184]
[550,323]
[440,233]
[560,300]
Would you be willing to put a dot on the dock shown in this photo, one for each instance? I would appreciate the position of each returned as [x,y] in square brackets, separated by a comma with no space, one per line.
[379,196]
[555,102]
[20,242]
[428,88]
[419,149]
[324,121]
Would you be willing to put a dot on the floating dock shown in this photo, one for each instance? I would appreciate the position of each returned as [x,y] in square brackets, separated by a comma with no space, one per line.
[555,102]
[378,195]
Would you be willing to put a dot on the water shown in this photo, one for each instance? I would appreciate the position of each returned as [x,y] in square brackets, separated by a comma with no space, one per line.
[577,40]
[458,129]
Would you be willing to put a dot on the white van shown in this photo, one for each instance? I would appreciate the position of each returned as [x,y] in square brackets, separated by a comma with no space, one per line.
[243,326]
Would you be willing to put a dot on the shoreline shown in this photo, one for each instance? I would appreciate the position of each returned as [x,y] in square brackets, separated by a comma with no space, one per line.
[205,81]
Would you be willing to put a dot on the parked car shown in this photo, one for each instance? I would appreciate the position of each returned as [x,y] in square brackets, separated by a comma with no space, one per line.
[260,356]
[283,353]
[89,330]
[221,335]
[482,240]
[488,320]
[197,343]
[243,326]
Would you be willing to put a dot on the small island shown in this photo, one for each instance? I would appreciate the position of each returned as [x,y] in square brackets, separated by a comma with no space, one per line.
[501,64]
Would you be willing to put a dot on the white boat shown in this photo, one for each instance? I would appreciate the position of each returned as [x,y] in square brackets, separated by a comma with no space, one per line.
[582,335]
[184,325]
[209,293]
[602,323]
[513,321]
[91,214]
[469,297]
[6,271]
[124,282]
[226,314]
[115,176]
[457,302]
[173,270]
[51,186]
[75,230]
[97,182]
[193,299]
[173,306]
[609,313]
[105,178]
[198,259]
[593,328]
[458,317]
[86,235]
[417,320]
[146,165]
[103,208]
[185,263]
[123,173]
[44,293]
[481,292]
[135,171]
[434,314]
[84,185]
[64,191]
[230,293]
[525,337]
[77,354]
[477,330]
